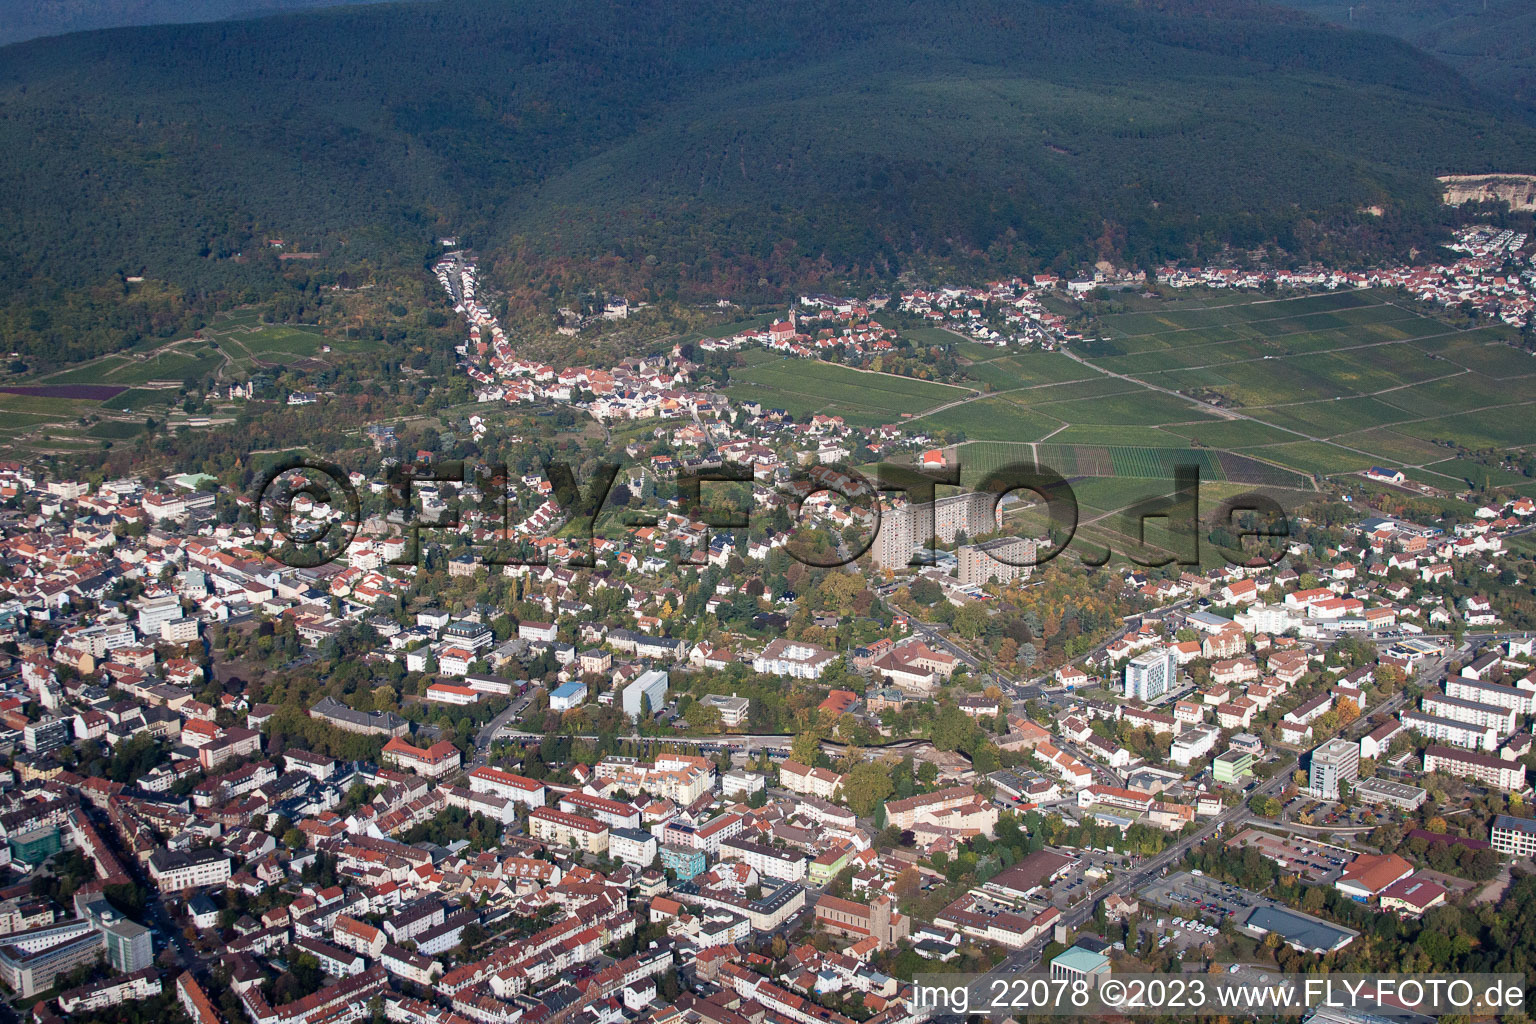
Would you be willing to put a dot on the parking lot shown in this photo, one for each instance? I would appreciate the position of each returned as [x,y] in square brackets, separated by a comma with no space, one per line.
[1078,883]
[1311,811]
[1070,890]
[1202,899]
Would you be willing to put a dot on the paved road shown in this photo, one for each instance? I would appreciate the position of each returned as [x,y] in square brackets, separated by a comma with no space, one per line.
[513,712]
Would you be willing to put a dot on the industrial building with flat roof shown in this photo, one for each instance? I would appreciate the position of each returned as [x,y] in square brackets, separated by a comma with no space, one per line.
[1392,794]
[1299,931]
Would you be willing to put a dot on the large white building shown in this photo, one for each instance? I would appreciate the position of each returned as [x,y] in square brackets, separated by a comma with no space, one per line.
[902,529]
[1448,730]
[650,686]
[1513,836]
[1273,619]
[633,846]
[1192,744]
[1485,768]
[790,865]
[158,610]
[1151,674]
[613,813]
[793,659]
[1004,560]
[560,829]
[568,696]
[1335,762]
[733,709]
[1519,700]
[486,779]
[800,778]
[175,870]
[1473,712]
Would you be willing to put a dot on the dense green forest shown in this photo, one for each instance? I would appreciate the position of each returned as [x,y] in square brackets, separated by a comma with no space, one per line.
[1492,42]
[694,149]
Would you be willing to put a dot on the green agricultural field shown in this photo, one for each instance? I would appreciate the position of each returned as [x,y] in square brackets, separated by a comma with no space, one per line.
[1123,409]
[1074,461]
[1089,385]
[1465,392]
[1105,519]
[1164,462]
[1524,543]
[976,352]
[1375,382]
[756,356]
[1255,470]
[1255,310]
[19,421]
[1493,428]
[49,409]
[1219,433]
[1382,380]
[1027,369]
[115,430]
[1000,378]
[806,386]
[978,459]
[93,372]
[931,336]
[1439,480]
[274,342]
[1475,474]
[992,419]
[141,398]
[167,365]
[1317,457]
[1393,447]
[1108,494]
[1097,434]
[1328,418]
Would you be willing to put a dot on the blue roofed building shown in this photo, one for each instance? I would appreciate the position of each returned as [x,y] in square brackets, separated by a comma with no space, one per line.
[568,696]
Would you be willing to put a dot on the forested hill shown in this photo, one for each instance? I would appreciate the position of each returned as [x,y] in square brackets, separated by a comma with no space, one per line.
[28,19]
[1492,42]
[711,144]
